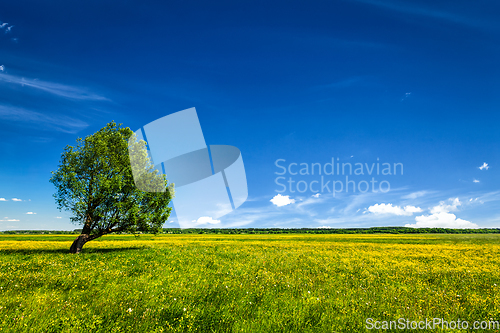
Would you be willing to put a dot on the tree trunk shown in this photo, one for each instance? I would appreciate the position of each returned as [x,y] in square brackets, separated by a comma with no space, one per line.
[77,245]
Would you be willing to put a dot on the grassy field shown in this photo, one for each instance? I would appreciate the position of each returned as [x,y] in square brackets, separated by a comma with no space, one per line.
[245,283]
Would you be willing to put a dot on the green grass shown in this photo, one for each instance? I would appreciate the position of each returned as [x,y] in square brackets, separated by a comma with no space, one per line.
[244,283]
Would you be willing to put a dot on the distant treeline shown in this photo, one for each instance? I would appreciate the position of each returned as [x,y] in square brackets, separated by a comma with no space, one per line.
[374,230]
[40,232]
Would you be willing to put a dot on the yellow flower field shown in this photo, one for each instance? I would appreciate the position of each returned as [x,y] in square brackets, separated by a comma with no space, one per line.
[246,283]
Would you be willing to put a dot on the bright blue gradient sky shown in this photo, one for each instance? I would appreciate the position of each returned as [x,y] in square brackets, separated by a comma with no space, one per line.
[412,82]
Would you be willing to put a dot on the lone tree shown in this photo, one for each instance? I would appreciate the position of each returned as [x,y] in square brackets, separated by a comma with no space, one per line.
[95,181]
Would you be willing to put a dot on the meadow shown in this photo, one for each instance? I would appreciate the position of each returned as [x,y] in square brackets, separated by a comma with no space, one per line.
[245,283]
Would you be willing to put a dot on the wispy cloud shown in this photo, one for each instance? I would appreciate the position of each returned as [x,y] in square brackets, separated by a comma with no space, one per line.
[58,89]
[16,199]
[354,202]
[302,206]
[314,199]
[9,220]
[408,94]
[263,215]
[489,197]
[60,123]
[30,213]
[415,195]
[408,7]
[345,83]
[476,181]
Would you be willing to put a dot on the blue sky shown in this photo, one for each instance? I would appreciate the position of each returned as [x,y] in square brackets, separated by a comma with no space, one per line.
[410,82]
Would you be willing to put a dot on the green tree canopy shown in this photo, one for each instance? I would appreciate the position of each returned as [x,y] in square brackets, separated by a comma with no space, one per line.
[95,181]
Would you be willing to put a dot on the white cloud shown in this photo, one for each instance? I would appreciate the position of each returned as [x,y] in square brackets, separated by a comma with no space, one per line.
[16,199]
[58,217]
[282,200]
[476,181]
[2,68]
[484,166]
[396,210]
[412,209]
[9,220]
[324,227]
[3,199]
[6,26]
[441,220]
[316,195]
[443,207]
[206,220]
[30,213]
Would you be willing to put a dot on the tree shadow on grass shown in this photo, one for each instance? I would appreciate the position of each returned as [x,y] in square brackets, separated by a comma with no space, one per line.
[114,249]
[66,251]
